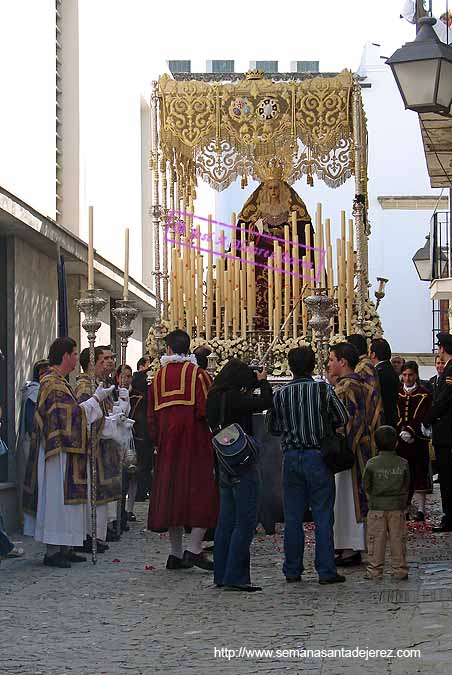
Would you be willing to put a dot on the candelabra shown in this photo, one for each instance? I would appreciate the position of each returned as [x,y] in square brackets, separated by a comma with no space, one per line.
[380,292]
[322,309]
[124,313]
[91,305]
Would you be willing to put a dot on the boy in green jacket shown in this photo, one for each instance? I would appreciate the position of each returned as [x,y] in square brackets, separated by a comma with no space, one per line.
[386,481]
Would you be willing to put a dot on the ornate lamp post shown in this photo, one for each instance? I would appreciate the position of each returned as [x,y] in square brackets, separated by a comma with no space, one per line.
[125,313]
[91,305]
[322,309]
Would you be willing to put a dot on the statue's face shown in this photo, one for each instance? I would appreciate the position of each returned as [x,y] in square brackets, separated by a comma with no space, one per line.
[274,190]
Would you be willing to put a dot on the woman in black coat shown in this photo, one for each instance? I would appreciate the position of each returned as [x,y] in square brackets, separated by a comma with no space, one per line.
[232,398]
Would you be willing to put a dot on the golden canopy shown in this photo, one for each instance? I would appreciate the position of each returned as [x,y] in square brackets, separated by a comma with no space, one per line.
[219,131]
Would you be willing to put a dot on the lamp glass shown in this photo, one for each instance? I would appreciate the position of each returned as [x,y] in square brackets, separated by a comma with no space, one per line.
[444,96]
[417,82]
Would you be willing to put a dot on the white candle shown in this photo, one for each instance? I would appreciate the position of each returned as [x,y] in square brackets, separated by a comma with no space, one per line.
[90,250]
[125,295]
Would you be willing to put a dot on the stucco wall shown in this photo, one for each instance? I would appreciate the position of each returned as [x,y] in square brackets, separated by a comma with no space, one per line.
[36,294]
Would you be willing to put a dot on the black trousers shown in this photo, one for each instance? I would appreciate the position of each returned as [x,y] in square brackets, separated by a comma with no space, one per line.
[444,466]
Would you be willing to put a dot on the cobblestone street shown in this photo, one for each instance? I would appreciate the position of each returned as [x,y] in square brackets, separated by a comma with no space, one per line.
[129,615]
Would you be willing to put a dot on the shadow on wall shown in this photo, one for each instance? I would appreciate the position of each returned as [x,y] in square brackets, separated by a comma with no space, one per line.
[35,325]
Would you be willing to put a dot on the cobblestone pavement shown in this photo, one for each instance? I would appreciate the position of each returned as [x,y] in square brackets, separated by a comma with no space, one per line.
[128,614]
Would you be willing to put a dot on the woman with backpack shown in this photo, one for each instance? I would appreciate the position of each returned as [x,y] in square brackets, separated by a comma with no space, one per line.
[231,400]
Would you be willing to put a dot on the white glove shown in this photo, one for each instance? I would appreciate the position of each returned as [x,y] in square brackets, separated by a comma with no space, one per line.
[406,436]
[426,431]
[101,393]
[123,393]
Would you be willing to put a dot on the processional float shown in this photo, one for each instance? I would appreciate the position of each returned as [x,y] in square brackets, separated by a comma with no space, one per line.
[275,131]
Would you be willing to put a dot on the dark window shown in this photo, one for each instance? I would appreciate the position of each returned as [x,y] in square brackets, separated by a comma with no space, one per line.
[220,66]
[306,67]
[179,66]
[267,66]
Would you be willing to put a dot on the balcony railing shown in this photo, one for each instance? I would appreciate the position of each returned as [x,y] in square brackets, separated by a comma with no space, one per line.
[440,245]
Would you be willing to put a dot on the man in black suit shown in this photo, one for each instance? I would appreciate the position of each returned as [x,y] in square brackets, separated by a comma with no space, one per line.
[439,365]
[440,417]
[380,355]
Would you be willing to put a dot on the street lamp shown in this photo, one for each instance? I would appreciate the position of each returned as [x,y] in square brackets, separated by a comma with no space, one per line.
[423,71]
[422,261]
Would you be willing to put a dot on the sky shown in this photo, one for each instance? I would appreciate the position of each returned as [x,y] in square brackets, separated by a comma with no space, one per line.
[331,31]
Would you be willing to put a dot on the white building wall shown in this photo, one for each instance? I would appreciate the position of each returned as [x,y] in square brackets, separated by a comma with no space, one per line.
[27,112]
[35,316]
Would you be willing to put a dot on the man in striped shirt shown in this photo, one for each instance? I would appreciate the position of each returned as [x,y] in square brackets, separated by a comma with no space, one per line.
[307,481]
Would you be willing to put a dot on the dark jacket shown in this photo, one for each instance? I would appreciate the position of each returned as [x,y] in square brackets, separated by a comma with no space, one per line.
[390,386]
[440,415]
[239,406]
[434,382]
[386,482]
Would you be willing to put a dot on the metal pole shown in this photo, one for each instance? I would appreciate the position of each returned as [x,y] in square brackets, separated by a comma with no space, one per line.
[359,208]
[156,211]
[91,304]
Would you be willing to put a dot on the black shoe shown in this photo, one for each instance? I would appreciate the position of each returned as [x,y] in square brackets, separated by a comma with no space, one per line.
[350,561]
[131,517]
[112,536]
[124,527]
[198,560]
[73,557]
[88,547]
[338,579]
[407,516]
[441,529]
[293,580]
[246,589]
[56,560]
[174,563]
[419,517]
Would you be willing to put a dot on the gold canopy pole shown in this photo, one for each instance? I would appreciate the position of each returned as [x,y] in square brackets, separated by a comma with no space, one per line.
[165,230]
[156,210]
[359,206]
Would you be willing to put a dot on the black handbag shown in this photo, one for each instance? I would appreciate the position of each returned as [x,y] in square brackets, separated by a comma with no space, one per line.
[336,453]
[234,448]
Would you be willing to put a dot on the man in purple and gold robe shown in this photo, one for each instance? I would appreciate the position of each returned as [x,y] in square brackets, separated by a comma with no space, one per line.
[107,451]
[351,507]
[369,377]
[55,486]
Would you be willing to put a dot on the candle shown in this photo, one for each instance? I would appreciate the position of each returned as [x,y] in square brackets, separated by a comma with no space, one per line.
[294,225]
[217,311]
[244,324]
[90,249]
[286,278]
[307,270]
[295,286]
[125,295]
[270,296]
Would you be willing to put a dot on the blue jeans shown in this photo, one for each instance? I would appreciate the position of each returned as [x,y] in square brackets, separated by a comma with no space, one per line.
[235,529]
[307,482]
[6,545]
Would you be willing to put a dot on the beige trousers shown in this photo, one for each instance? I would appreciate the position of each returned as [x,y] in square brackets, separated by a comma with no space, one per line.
[380,526]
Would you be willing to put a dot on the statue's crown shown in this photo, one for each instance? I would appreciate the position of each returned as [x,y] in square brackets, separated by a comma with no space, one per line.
[273,169]
[254,74]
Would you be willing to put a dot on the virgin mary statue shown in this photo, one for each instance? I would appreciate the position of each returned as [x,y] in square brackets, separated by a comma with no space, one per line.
[266,212]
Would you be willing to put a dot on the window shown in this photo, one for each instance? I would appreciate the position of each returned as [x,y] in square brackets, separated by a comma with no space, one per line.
[220,66]
[266,66]
[179,66]
[304,66]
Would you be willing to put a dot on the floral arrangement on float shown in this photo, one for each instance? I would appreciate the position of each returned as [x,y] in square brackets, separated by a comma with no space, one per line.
[246,350]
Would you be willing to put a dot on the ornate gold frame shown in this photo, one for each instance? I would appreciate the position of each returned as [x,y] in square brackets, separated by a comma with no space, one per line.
[219,131]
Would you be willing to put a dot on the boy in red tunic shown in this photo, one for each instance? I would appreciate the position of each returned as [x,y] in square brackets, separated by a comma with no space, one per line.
[184,492]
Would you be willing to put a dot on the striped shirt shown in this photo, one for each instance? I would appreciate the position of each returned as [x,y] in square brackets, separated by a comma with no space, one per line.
[296,414]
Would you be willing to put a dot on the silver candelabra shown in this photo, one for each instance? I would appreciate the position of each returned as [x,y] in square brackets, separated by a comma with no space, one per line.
[91,305]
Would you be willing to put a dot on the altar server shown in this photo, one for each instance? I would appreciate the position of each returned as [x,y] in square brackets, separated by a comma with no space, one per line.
[55,486]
